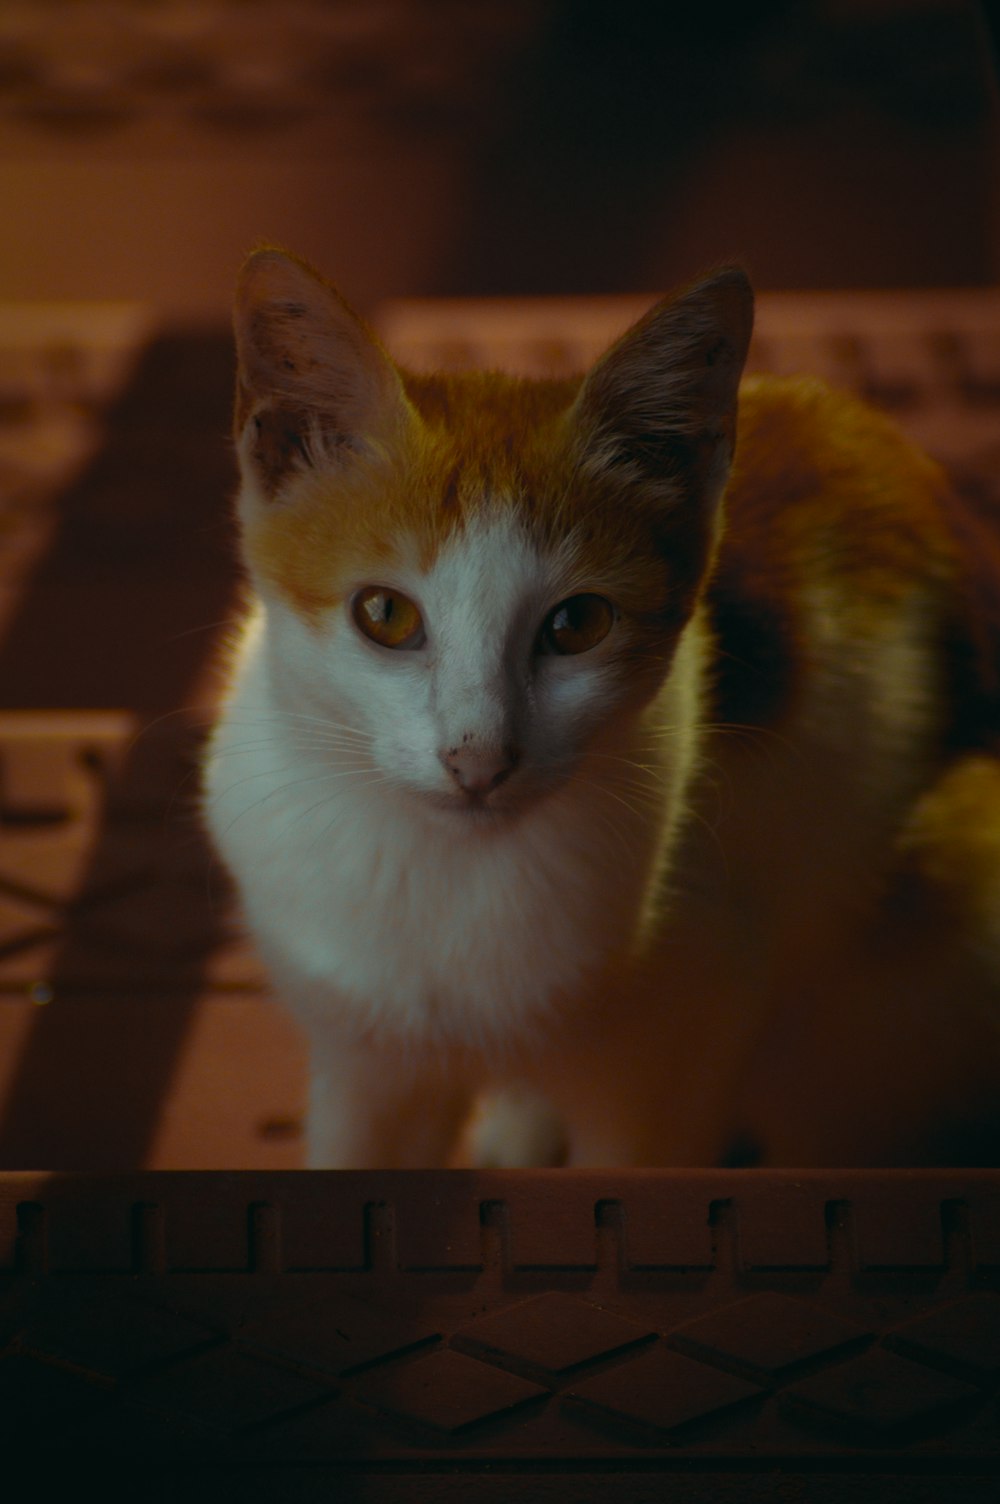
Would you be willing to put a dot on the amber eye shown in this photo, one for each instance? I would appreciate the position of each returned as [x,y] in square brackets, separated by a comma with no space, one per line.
[388,617]
[576,625]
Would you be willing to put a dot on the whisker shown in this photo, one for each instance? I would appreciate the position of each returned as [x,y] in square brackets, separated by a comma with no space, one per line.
[603,814]
[328,775]
[311,745]
[372,782]
[281,717]
[208,626]
[294,783]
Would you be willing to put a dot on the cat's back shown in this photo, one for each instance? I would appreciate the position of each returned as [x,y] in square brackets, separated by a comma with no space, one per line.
[843,538]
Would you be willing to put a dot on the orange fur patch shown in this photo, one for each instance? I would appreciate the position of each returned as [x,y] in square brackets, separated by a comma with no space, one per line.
[474,445]
[355,464]
[821,487]
[824,495]
[952,841]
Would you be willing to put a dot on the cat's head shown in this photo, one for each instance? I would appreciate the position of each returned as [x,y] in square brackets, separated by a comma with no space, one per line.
[478,574]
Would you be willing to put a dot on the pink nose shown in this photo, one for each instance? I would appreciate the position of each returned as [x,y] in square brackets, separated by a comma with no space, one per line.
[479,770]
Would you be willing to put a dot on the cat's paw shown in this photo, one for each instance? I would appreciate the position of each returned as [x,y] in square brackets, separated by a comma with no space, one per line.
[515,1128]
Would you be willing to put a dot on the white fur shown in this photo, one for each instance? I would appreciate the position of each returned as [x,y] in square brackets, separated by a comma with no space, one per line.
[429,948]
[679,935]
[380,899]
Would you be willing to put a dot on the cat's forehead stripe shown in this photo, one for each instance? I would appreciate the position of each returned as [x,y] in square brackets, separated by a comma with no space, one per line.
[480,450]
[496,562]
[477,449]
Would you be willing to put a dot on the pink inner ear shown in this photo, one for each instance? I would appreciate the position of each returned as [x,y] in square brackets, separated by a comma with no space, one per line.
[676,372]
[301,347]
[278,445]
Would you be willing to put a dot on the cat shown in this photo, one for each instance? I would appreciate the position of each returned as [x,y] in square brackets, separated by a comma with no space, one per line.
[631,740]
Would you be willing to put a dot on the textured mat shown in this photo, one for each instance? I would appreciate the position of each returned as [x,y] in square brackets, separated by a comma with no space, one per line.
[534,1335]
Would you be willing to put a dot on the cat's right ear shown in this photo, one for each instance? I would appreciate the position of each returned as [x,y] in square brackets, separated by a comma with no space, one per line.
[313,384]
[660,406]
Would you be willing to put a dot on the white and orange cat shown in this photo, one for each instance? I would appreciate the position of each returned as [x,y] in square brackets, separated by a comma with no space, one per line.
[590,739]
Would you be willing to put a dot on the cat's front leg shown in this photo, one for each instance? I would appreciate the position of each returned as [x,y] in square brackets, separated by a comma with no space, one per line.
[644,1076]
[380,1106]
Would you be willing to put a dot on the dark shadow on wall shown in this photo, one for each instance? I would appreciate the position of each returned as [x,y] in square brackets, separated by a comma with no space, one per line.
[123,612]
[829,144]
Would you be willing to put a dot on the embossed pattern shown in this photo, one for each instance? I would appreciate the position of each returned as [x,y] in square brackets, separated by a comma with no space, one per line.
[194,1321]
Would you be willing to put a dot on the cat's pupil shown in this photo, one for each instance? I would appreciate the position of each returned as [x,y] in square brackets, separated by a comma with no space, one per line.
[576,625]
[388,618]
[577,614]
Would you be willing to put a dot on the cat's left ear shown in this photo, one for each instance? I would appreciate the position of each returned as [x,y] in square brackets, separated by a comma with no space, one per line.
[313,383]
[660,406]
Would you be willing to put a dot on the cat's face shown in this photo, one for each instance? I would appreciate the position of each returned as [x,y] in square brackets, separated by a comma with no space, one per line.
[475,680]
[474,577]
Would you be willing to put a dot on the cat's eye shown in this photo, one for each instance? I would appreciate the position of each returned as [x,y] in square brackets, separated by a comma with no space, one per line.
[576,625]
[388,617]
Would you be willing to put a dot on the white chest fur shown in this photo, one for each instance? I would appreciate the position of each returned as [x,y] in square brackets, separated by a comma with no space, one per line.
[407,919]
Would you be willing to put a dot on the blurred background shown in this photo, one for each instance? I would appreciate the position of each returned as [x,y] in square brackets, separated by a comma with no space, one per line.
[495,180]
[502,146]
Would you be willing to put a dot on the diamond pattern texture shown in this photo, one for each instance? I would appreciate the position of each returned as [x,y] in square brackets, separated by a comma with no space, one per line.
[338,1336]
[555,1331]
[447,1391]
[229,1389]
[664,1390]
[182,1318]
[101,1330]
[769,1334]
[965,1334]
[881,1392]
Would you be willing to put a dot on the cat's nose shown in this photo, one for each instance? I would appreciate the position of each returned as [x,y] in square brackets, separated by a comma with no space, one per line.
[479,770]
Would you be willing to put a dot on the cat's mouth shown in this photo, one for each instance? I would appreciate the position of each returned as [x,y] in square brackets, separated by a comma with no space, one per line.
[480,807]
[500,806]
[476,809]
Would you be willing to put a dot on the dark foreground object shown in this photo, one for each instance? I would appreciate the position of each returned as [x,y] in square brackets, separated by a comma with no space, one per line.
[551,1336]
